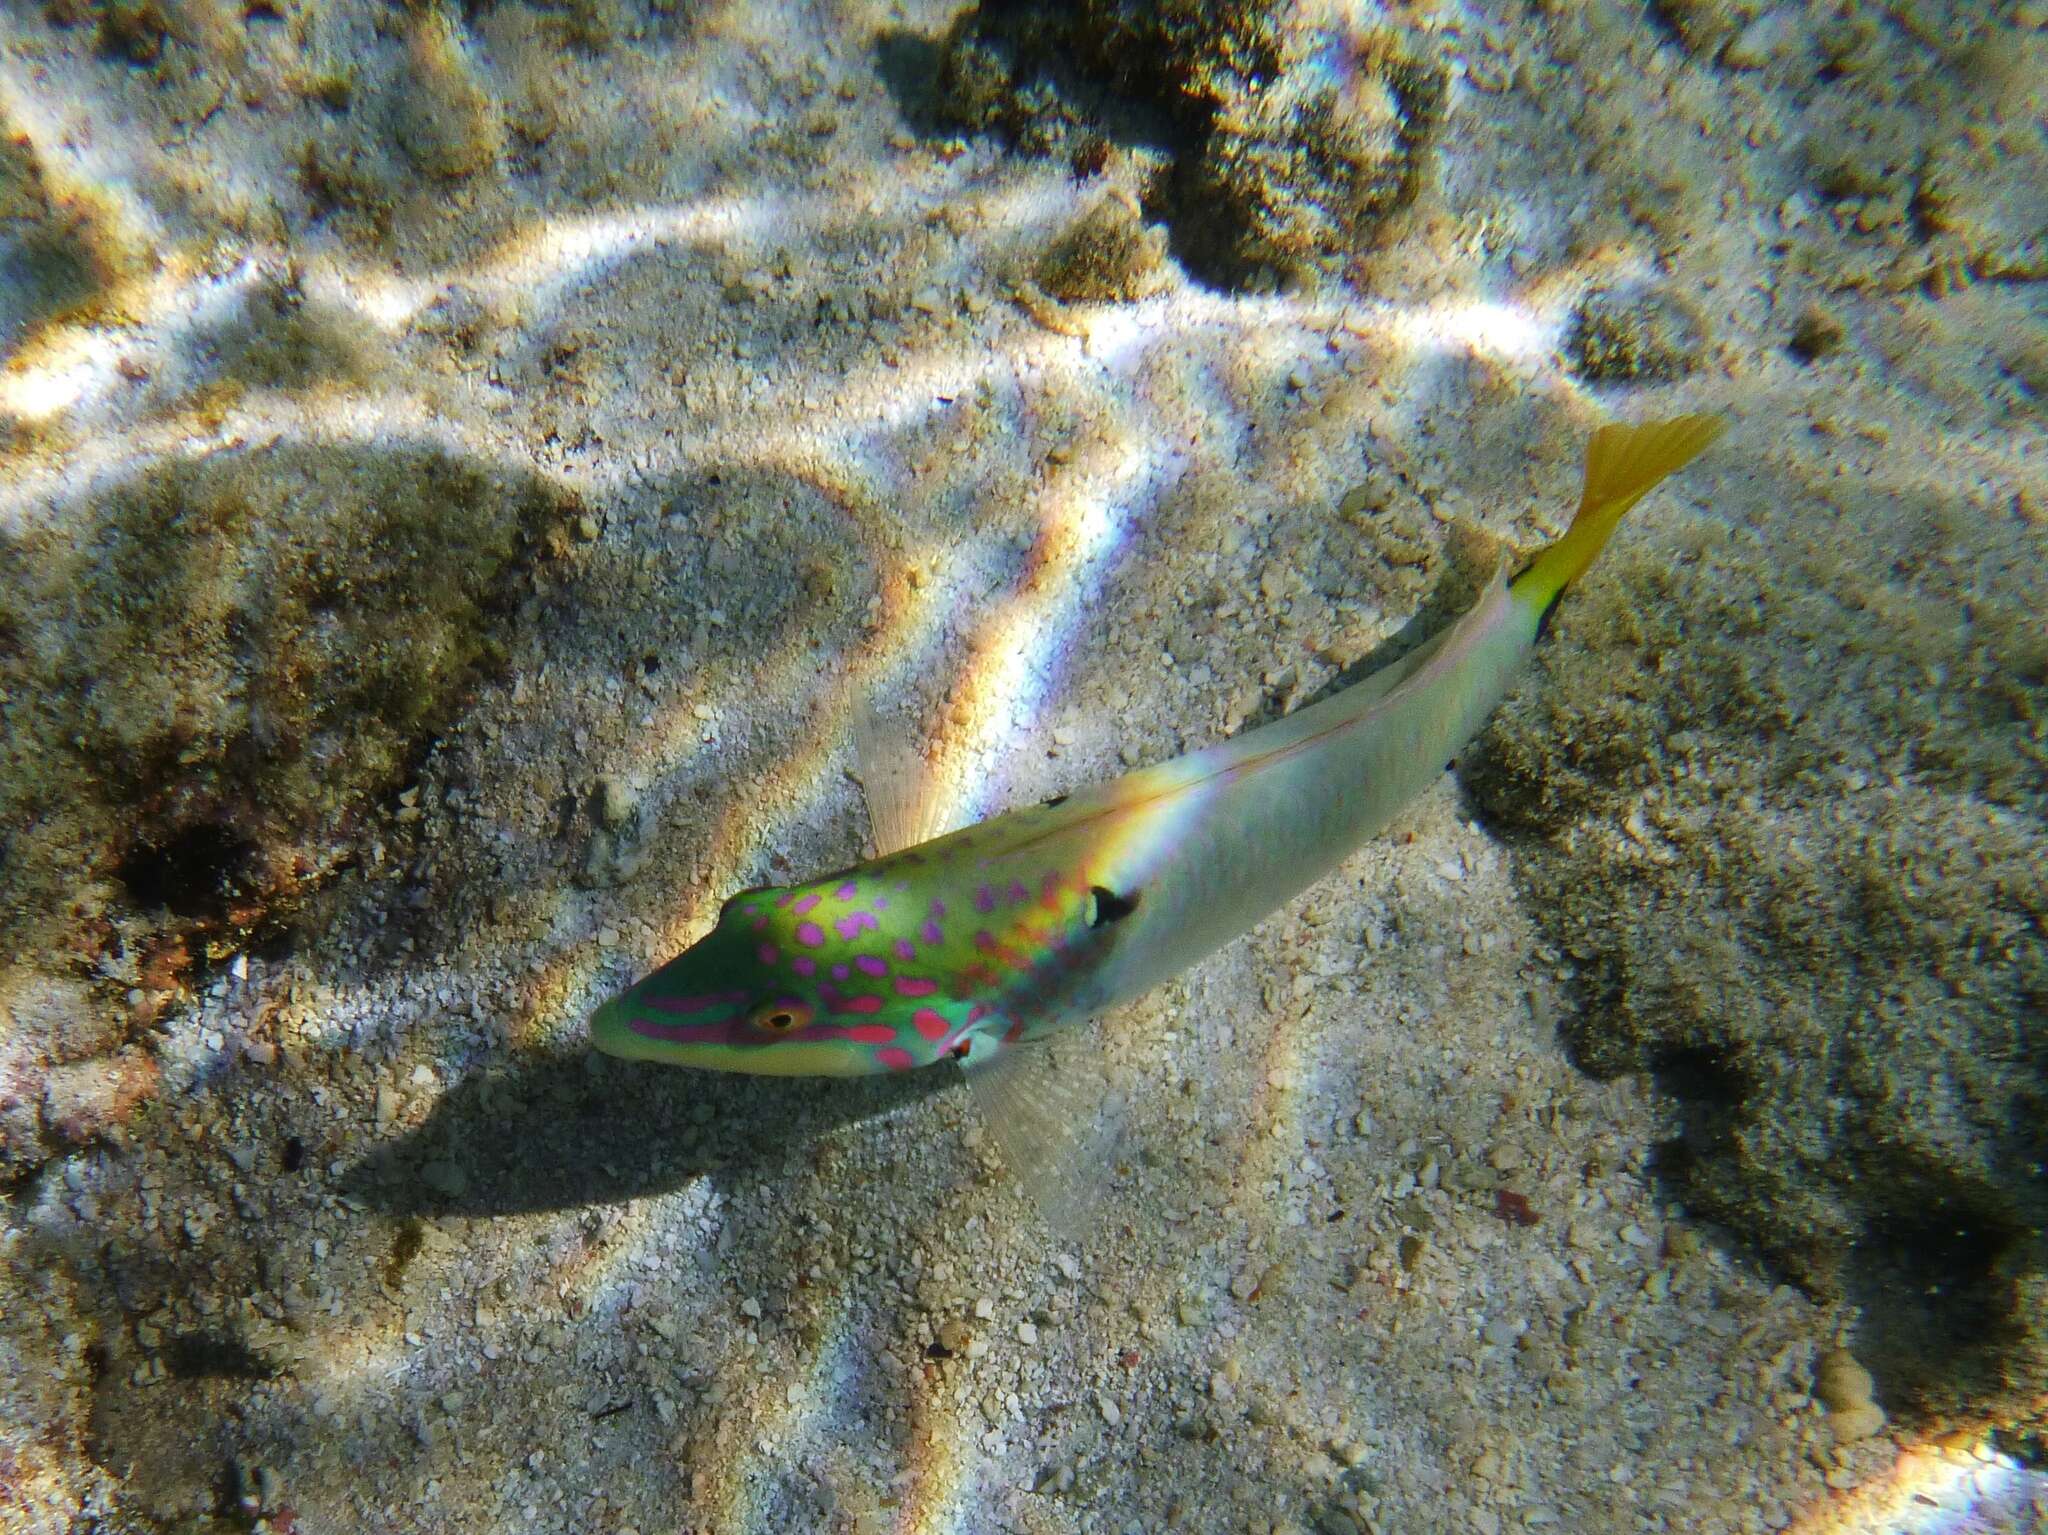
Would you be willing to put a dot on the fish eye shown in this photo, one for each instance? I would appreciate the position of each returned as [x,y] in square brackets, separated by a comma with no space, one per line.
[784,1015]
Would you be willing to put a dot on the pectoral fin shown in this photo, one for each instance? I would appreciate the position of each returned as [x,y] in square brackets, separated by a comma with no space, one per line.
[1046,1112]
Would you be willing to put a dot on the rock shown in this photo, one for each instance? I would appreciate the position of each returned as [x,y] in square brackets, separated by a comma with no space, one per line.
[1854,1423]
[1106,253]
[1815,334]
[84,1100]
[614,852]
[1642,334]
[446,1178]
[1766,38]
[1840,1382]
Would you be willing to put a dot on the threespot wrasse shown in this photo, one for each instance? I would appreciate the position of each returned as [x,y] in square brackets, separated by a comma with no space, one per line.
[974,946]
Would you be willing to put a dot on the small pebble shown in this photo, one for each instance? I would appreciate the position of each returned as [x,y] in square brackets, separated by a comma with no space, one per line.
[614,802]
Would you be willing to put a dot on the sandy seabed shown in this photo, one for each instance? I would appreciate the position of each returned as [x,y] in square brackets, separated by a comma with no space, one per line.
[463,470]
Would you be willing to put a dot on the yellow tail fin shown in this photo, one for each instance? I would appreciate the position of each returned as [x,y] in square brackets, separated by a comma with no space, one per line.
[1623,464]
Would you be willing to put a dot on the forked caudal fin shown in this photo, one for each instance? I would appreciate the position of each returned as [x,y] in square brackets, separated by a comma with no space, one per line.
[1623,464]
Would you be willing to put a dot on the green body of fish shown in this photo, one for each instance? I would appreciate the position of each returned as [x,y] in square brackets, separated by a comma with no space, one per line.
[987,938]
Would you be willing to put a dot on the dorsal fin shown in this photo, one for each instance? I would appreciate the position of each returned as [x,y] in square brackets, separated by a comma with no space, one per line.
[904,805]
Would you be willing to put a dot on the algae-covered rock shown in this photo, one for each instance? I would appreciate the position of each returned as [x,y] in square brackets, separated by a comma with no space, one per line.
[1783,815]
[63,245]
[205,682]
[1291,146]
[1107,253]
[1646,335]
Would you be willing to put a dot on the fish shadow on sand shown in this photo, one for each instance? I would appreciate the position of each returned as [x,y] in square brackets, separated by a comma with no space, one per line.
[562,1130]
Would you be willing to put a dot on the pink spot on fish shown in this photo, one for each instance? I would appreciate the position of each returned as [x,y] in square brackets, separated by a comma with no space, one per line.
[804,965]
[840,972]
[848,891]
[905,949]
[984,899]
[805,903]
[1018,892]
[864,1003]
[930,933]
[870,965]
[984,940]
[938,909]
[976,1013]
[854,923]
[929,1023]
[769,953]
[871,1034]
[915,986]
[695,1004]
[895,1058]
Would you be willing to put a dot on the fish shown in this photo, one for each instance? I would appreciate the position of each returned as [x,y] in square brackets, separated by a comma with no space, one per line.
[977,946]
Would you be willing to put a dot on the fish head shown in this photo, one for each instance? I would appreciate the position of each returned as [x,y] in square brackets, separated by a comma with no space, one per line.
[790,982]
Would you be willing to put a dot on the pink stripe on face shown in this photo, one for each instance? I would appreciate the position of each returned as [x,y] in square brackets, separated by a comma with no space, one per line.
[915,986]
[896,1058]
[928,1023]
[810,935]
[868,964]
[681,1033]
[699,1004]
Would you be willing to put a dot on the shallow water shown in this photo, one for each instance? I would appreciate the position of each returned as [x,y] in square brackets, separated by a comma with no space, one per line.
[464,473]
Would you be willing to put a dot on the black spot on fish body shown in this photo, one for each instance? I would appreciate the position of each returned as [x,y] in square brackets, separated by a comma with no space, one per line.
[1055,802]
[1549,612]
[1106,906]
